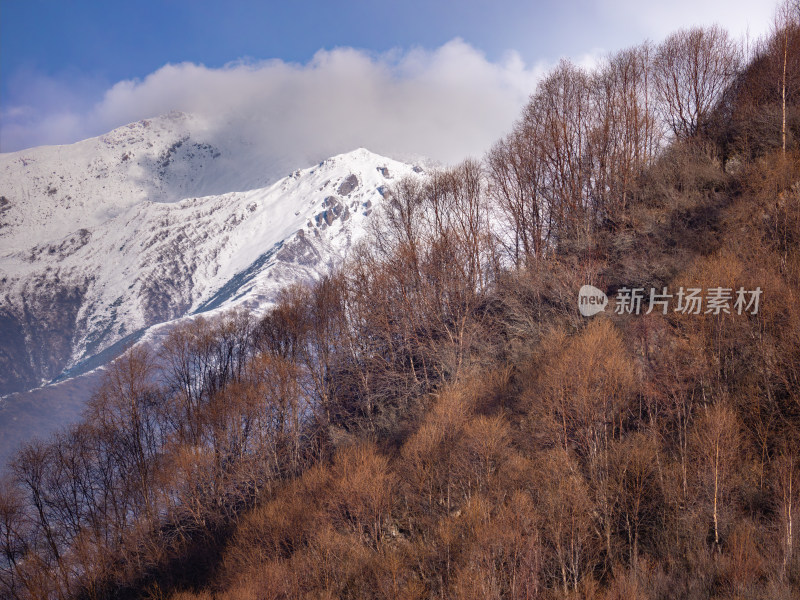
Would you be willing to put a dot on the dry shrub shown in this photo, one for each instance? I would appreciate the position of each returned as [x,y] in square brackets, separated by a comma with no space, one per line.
[279,527]
[582,388]
[273,580]
[685,172]
[455,452]
[393,574]
[782,224]
[441,426]
[542,296]
[485,447]
[736,341]
[567,520]
[719,332]
[626,585]
[754,358]
[767,177]
[186,595]
[742,563]
[429,462]
[639,496]
[335,565]
[506,557]
[321,535]
[494,388]
[476,583]
[721,269]
[458,533]
[362,492]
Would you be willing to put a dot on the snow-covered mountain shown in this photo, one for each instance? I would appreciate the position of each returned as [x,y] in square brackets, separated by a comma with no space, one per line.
[103,239]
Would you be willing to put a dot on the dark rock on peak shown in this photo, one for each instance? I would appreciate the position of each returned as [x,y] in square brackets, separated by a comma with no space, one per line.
[348,185]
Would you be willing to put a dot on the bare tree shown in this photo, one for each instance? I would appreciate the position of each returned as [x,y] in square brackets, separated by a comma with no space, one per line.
[13,543]
[787,490]
[515,169]
[717,444]
[785,27]
[692,68]
[626,133]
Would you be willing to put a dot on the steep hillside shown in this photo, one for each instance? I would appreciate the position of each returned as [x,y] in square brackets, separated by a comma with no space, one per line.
[438,418]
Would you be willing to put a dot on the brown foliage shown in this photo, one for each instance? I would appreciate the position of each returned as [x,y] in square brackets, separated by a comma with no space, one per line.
[436,420]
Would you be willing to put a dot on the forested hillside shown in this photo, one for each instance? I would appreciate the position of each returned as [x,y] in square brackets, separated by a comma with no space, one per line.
[437,419]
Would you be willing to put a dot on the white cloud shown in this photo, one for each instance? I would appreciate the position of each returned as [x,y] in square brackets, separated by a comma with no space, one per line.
[447,104]
[657,18]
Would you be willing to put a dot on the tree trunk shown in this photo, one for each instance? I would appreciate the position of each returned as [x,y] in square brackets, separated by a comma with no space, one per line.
[787,557]
[783,90]
[716,492]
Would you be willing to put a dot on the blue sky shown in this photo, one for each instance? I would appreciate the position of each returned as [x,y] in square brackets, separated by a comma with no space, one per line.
[70,69]
[118,40]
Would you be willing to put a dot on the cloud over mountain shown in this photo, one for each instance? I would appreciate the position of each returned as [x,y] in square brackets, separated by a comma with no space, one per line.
[447,103]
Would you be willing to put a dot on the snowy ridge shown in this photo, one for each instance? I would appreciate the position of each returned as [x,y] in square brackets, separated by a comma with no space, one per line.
[122,245]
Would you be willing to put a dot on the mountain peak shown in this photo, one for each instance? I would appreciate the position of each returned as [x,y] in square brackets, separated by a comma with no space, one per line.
[105,238]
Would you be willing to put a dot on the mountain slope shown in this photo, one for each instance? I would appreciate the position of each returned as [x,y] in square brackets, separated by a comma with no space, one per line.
[95,247]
